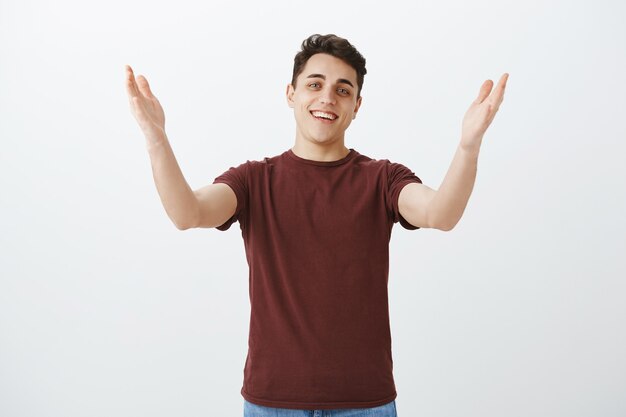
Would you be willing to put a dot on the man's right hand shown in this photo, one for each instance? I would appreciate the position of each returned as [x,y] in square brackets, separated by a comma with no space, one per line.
[145,106]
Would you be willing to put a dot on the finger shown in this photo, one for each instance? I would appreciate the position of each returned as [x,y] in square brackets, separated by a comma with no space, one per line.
[501,87]
[485,89]
[498,94]
[144,87]
[130,88]
[131,85]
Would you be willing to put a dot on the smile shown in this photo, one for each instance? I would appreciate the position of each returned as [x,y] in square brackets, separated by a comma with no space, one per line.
[324,116]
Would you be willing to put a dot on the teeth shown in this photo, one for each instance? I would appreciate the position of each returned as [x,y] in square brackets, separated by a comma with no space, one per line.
[324,115]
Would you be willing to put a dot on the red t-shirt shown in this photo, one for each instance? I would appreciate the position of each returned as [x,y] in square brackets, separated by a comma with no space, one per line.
[316,236]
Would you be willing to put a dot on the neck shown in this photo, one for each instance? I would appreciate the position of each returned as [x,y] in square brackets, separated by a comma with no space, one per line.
[323,153]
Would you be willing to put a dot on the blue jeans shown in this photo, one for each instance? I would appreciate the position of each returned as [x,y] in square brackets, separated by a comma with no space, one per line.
[254,410]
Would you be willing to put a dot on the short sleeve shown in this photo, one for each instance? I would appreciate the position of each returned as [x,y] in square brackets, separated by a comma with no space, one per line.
[237,179]
[397,177]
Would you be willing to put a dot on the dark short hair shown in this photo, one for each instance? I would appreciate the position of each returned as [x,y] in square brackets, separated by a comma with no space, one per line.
[332,45]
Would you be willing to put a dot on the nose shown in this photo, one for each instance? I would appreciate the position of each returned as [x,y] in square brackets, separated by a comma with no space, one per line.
[327,96]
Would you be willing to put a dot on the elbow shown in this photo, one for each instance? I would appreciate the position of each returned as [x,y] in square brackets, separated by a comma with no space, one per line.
[187,222]
[184,225]
[445,225]
[443,221]
[439,219]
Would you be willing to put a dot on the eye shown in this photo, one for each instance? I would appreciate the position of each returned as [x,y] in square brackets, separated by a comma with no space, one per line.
[344,91]
[315,84]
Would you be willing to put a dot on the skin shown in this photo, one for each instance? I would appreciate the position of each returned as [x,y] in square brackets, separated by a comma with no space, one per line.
[144,106]
[315,139]
[442,209]
[419,204]
[481,113]
[208,206]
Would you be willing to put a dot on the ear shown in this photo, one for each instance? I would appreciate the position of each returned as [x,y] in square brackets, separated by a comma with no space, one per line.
[356,108]
[289,94]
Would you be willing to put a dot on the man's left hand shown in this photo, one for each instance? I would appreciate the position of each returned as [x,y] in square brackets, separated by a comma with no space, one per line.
[481,113]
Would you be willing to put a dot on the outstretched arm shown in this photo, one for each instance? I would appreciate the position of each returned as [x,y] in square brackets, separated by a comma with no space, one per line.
[442,209]
[209,206]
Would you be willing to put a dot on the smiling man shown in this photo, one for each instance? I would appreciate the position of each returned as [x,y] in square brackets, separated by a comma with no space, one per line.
[316,222]
[325,104]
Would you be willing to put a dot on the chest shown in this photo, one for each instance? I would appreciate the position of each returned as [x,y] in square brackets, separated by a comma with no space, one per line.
[320,200]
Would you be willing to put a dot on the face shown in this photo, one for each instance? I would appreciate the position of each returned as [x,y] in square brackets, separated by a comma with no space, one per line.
[324,100]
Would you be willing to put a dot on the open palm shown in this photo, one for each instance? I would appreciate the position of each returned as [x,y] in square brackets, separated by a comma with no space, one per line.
[481,112]
[144,105]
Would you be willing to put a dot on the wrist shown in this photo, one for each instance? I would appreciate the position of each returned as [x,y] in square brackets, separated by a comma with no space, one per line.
[470,146]
[469,151]
[155,138]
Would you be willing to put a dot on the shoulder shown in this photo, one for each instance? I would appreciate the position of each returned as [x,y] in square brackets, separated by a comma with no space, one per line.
[394,173]
[382,164]
[260,164]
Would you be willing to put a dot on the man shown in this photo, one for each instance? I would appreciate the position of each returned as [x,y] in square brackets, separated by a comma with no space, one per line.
[316,223]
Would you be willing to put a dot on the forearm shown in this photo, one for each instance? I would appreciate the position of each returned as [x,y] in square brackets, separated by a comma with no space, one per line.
[177,197]
[448,204]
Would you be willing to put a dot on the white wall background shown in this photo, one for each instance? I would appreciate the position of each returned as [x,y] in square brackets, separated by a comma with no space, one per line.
[107,309]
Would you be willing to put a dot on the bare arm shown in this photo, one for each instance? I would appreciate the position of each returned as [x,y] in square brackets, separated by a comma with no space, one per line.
[207,207]
[216,204]
[442,209]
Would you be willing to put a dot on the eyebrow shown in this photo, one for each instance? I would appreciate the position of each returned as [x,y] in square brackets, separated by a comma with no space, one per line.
[339,80]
